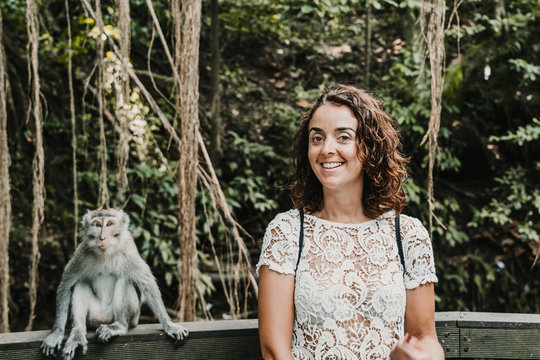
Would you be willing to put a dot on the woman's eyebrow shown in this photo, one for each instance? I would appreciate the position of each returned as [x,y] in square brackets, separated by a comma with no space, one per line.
[344,129]
[336,130]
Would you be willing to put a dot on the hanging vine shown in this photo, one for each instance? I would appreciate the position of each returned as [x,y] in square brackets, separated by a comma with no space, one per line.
[243,261]
[176,5]
[157,28]
[368,45]
[432,24]
[38,164]
[454,13]
[73,129]
[215,108]
[5,199]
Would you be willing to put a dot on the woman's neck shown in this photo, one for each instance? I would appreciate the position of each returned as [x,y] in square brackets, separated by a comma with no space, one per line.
[342,206]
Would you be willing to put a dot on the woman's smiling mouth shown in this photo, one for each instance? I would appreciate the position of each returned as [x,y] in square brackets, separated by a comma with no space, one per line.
[332,165]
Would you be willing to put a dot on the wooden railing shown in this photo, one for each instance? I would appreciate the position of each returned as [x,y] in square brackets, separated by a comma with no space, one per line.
[476,335]
[462,334]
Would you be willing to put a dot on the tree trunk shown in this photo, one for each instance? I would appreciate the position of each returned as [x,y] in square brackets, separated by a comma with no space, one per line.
[5,200]
[38,164]
[215,118]
[187,177]
[103,187]
[122,103]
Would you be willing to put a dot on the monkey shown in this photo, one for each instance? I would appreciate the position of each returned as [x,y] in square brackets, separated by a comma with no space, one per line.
[100,283]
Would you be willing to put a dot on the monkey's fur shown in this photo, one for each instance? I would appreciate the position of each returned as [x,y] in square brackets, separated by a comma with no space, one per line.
[100,283]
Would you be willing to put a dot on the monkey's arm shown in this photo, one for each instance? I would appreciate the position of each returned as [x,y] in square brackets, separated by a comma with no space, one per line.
[147,285]
[63,298]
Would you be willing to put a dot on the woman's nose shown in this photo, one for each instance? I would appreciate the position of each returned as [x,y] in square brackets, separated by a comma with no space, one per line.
[329,146]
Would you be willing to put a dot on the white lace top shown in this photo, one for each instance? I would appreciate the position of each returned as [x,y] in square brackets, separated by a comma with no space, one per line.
[350,286]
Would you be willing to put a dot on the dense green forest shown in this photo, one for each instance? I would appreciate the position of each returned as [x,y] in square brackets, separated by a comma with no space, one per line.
[261,63]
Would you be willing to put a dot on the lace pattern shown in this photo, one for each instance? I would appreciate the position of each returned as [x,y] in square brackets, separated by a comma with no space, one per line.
[350,285]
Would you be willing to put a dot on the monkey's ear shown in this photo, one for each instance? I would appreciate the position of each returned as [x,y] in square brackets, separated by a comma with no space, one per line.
[125,219]
[87,220]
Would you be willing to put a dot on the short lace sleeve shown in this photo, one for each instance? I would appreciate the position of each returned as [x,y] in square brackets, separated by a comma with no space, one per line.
[418,253]
[280,244]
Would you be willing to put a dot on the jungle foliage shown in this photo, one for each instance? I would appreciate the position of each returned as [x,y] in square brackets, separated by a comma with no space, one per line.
[275,58]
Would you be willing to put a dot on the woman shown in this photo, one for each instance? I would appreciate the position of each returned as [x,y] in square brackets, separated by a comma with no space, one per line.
[344,294]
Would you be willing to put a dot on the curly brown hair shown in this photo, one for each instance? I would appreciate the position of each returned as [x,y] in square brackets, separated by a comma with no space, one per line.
[385,168]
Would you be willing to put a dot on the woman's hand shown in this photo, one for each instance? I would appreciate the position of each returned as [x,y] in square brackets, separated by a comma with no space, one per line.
[413,348]
[420,341]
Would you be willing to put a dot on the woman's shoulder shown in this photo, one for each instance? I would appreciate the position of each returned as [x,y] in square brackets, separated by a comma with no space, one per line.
[410,220]
[280,243]
[413,227]
[286,217]
[285,225]
[418,252]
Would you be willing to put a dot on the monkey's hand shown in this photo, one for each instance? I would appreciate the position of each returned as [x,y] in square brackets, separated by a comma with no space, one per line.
[52,342]
[177,332]
[75,339]
[106,331]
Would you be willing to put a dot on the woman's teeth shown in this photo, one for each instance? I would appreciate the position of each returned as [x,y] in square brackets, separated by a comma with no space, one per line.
[331,165]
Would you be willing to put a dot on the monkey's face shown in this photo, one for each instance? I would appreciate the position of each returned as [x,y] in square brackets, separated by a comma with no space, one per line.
[103,233]
[102,229]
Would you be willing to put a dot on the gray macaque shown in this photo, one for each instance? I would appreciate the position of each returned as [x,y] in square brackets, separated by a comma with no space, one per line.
[100,284]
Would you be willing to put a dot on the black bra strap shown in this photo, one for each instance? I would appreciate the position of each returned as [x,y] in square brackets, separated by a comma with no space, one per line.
[300,239]
[398,240]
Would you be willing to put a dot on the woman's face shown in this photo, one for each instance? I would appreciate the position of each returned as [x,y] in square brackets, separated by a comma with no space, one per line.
[333,148]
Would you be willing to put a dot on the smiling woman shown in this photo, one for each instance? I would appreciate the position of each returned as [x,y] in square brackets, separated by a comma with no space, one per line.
[378,145]
[334,283]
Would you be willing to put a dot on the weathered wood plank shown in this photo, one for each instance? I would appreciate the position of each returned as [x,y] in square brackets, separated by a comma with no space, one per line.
[498,320]
[448,333]
[498,343]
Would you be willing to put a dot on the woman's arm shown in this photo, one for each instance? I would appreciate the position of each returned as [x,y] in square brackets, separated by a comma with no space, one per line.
[276,314]
[420,341]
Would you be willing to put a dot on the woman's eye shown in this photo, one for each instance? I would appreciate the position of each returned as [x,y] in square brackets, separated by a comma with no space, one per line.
[317,138]
[344,138]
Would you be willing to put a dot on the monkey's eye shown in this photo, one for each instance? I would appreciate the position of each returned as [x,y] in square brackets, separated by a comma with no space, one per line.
[97,224]
[110,223]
